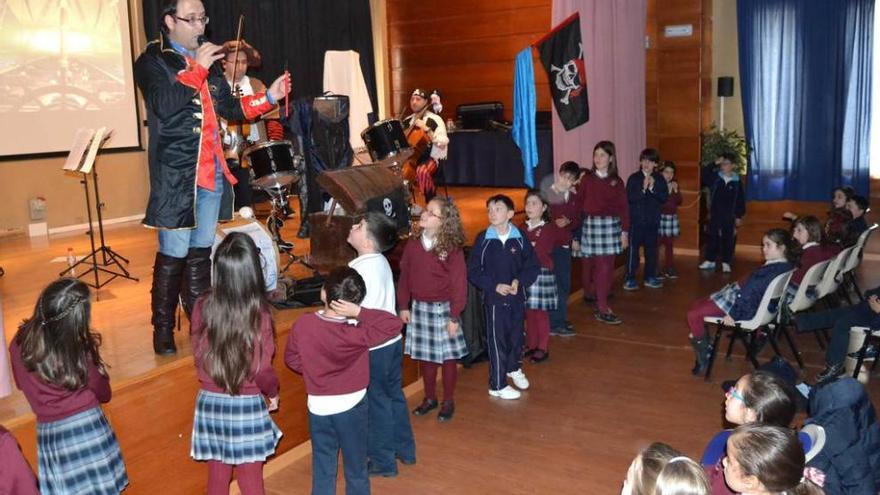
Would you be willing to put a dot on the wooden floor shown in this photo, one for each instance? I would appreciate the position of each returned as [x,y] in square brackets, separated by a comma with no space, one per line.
[602,395]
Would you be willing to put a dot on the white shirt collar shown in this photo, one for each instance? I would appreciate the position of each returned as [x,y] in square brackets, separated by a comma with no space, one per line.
[427,242]
[601,173]
[532,226]
[809,245]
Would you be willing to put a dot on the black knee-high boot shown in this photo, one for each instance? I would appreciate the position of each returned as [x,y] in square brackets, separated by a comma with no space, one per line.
[167,277]
[701,354]
[197,277]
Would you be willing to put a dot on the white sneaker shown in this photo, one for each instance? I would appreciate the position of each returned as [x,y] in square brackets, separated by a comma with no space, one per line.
[506,393]
[707,265]
[519,379]
[725,267]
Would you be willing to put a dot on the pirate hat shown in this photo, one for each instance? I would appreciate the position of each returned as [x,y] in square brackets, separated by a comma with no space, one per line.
[420,93]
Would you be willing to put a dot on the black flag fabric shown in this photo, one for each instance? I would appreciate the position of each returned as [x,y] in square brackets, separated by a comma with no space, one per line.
[562,56]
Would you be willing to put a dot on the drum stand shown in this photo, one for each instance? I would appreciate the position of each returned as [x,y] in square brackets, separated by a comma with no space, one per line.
[278,200]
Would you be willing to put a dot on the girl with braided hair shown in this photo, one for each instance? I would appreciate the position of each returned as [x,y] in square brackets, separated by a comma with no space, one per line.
[56,364]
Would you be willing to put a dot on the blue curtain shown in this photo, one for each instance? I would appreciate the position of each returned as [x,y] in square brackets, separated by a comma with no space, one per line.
[805,69]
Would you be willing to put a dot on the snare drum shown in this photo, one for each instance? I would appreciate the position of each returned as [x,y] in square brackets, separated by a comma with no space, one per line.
[272,164]
[386,139]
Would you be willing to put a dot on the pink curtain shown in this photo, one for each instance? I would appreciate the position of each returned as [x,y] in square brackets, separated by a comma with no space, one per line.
[613,34]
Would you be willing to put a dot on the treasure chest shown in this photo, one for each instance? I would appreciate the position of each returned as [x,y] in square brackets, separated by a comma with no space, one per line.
[355,191]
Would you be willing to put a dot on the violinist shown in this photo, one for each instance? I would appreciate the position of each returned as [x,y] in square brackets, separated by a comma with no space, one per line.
[237,136]
[432,125]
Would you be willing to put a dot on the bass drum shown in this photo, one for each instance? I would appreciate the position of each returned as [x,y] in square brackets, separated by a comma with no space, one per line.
[272,164]
[386,139]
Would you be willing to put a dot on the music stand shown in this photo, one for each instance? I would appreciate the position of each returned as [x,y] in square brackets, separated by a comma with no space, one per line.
[82,161]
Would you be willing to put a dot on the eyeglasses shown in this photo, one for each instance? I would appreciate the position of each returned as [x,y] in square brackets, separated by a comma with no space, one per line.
[733,393]
[192,20]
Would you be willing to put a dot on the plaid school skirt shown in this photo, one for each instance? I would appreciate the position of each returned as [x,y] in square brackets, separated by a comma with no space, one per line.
[600,236]
[669,226]
[543,294]
[232,429]
[726,297]
[426,335]
[80,455]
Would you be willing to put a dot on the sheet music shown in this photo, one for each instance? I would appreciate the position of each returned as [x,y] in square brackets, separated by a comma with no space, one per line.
[100,135]
[81,142]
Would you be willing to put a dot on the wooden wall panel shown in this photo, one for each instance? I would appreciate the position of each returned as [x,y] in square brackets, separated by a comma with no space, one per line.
[466,49]
[674,98]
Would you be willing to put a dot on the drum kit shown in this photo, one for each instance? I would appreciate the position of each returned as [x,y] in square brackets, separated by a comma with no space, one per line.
[274,168]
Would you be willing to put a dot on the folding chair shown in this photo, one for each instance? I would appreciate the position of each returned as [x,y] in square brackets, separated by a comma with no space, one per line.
[848,270]
[764,316]
[832,277]
[803,300]
[870,336]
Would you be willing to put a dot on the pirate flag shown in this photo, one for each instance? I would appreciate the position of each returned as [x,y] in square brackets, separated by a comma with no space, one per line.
[562,55]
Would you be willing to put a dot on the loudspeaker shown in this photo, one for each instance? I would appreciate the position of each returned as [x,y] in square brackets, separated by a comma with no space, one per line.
[725,86]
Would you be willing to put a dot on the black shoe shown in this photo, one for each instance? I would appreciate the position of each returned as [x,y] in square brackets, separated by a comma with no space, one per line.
[608,318]
[539,357]
[303,232]
[425,407]
[569,325]
[562,332]
[870,353]
[163,342]
[447,410]
[589,299]
[702,349]
[829,373]
[529,352]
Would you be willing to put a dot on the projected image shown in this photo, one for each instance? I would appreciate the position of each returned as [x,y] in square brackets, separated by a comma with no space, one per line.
[65,64]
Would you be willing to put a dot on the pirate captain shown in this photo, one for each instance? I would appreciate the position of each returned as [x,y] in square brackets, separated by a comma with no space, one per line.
[427,120]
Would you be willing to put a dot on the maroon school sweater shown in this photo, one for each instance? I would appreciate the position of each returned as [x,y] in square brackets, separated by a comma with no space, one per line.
[262,378]
[16,476]
[604,198]
[569,208]
[811,256]
[544,238]
[333,355]
[51,402]
[673,201]
[425,277]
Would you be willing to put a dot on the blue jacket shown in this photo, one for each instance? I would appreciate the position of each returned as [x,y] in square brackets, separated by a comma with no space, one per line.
[851,455]
[644,206]
[752,290]
[492,263]
[727,201]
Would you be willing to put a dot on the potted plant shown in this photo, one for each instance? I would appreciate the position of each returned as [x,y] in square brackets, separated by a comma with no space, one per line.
[717,141]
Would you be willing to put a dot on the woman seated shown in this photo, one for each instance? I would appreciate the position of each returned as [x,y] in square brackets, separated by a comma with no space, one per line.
[740,300]
[661,470]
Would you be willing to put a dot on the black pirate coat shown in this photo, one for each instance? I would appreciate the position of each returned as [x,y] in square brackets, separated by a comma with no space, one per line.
[182,130]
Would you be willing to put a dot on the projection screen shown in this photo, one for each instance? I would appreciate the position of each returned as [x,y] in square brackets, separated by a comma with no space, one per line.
[64,64]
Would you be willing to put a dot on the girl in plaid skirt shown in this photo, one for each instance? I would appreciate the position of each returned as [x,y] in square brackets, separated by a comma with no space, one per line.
[605,227]
[56,364]
[542,295]
[233,342]
[740,300]
[433,283]
[669,227]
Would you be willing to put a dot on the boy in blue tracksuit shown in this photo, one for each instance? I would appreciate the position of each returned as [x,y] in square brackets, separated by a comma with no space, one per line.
[646,192]
[502,264]
[727,205]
